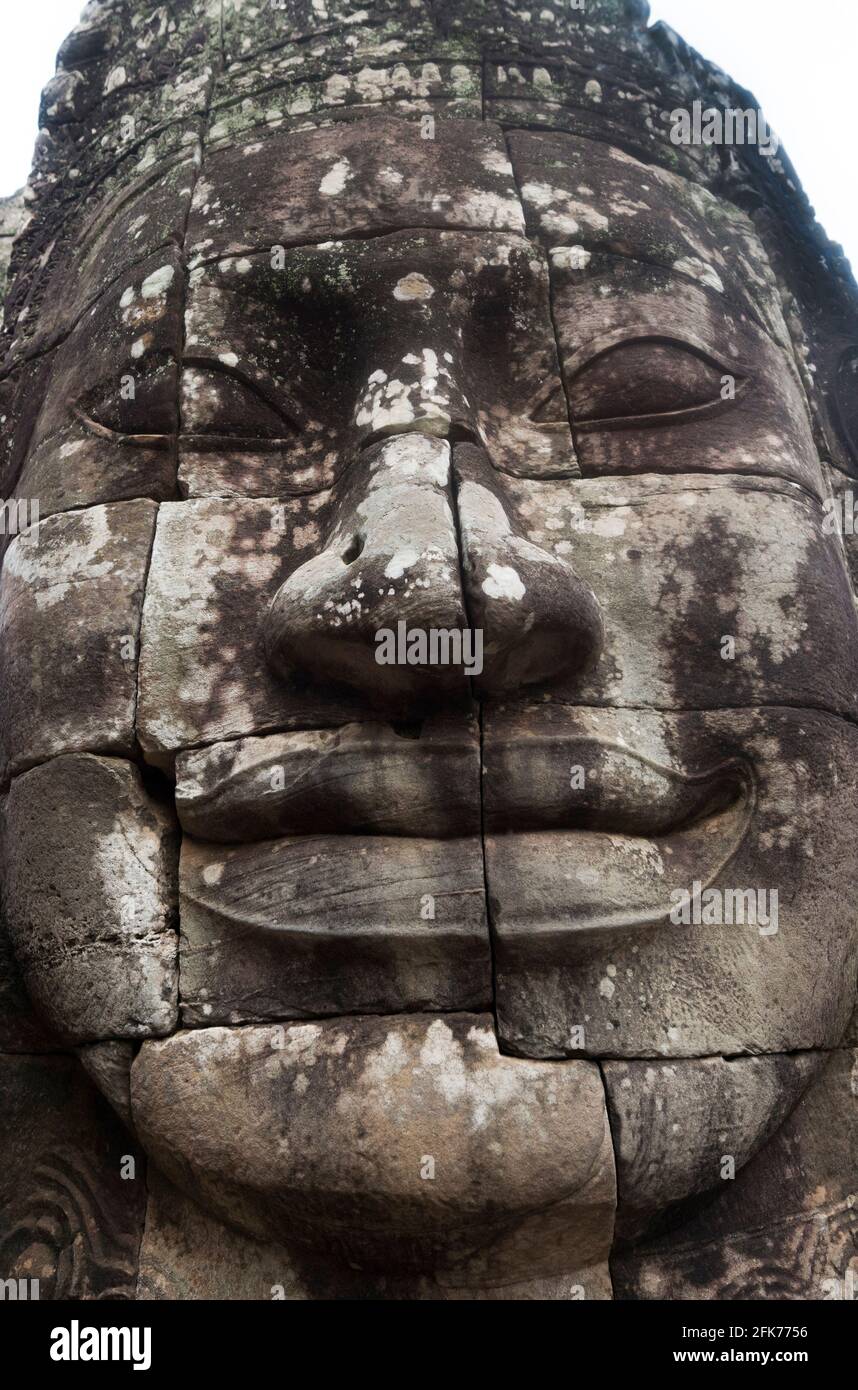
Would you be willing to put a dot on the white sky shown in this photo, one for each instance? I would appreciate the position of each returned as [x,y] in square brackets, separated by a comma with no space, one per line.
[796,57]
[799,60]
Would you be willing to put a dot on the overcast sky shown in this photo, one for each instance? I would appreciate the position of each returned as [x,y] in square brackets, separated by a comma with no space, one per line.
[797,58]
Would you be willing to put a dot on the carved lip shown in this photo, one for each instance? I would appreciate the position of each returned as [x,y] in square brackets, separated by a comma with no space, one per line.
[374,779]
[609,849]
[598,784]
[584,883]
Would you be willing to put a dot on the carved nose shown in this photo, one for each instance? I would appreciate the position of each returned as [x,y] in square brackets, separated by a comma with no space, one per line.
[424,583]
[539,619]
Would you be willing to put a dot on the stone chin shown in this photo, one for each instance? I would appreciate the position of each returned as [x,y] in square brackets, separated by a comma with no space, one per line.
[395,1143]
[411,1146]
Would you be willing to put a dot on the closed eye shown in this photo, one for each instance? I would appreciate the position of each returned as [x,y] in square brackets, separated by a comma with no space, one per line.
[648,382]
[141,409]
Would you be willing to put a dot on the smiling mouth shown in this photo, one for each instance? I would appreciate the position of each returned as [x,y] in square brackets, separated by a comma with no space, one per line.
[360,910]
[376,864]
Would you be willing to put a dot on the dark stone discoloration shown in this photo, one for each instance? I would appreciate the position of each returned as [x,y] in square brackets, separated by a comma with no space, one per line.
[326,924]
[784,1230]
[67,1216]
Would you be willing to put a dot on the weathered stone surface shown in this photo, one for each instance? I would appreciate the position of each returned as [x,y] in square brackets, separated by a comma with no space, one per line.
[601,822]
[188,1254]
[97,62]
[657,349]
[90,894]
[327,615]
[104,169]
[324,924]
[449,337]
[655,550]
[850,1037]
[20,401]
[538,617]
[70,600]
[109,1066]
[297,359]
[524,1185]
[12,214]
[215,567]
[21,1029]
[250,31]
[584,97]
[640,208]
[352,179]
[363,778]
[684,1127]
[302,85]
[124,227]
[68,1218]
[785,1229]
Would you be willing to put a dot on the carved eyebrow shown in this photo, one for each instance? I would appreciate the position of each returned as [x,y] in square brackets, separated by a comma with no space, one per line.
[632,336]
[737,297]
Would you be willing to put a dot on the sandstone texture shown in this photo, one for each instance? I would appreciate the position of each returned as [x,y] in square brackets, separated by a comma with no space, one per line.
[428,669]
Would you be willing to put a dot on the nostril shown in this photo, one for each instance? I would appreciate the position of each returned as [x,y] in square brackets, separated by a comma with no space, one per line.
[353,549]
[406,729]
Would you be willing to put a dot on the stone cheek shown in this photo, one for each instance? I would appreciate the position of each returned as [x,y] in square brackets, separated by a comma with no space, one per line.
[588,957]
[678,564]
[785,1229]
[91,898]
[216,564]
[678,1126]
[70,600]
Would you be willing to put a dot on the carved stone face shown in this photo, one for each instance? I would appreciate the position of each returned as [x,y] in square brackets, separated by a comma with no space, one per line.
[514,383]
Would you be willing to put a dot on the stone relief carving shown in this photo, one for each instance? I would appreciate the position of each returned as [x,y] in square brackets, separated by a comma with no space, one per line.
[429,670]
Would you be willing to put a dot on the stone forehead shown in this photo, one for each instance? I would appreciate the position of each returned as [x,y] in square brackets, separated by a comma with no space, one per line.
[136,84]
[352,179]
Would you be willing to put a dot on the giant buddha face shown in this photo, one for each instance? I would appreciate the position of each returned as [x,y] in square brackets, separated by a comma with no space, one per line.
[425,960]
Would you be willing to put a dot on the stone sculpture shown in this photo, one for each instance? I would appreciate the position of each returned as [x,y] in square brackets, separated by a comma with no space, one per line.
[529,975]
